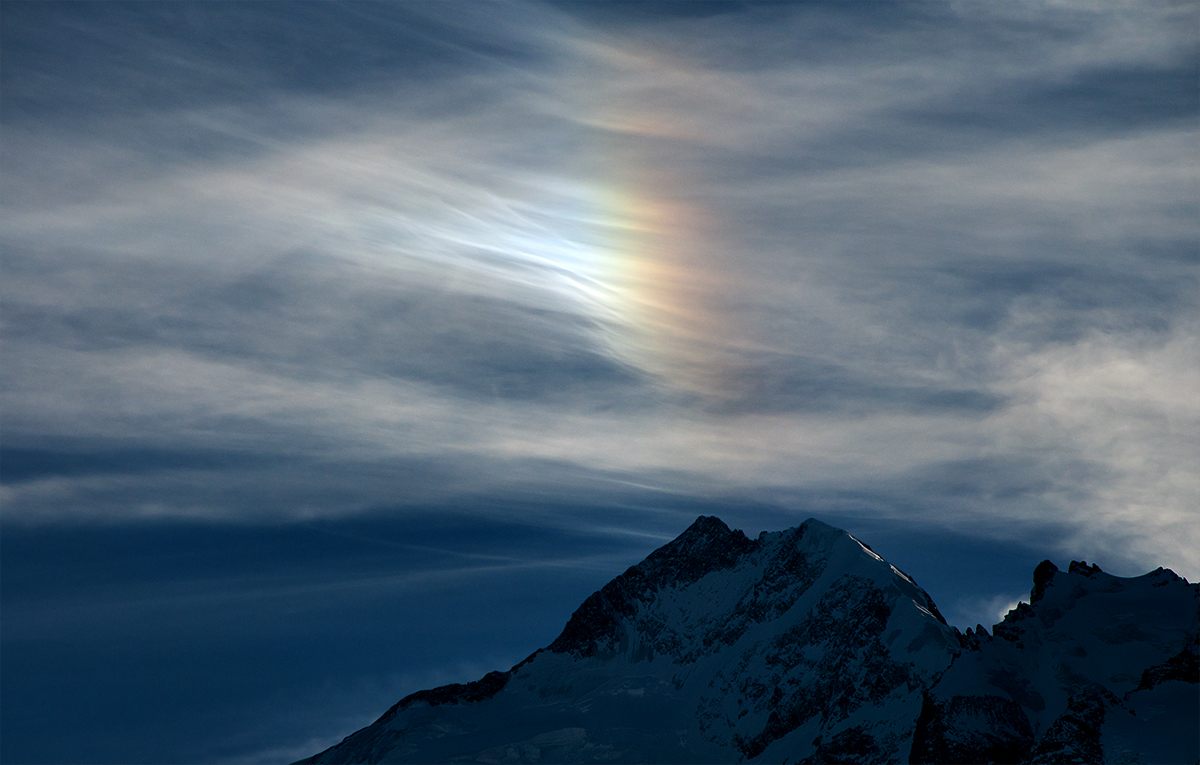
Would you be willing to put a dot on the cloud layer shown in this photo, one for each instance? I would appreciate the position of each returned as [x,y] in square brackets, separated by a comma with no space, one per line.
[935,262]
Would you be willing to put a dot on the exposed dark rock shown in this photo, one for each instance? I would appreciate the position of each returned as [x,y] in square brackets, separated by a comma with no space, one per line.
[1014,623]
[1082,568]
[456,693]
[1075,736]
[974,638]
[1183,666]
[969,729]
[1042,575]
[855,668]
[706,546]
[851,745]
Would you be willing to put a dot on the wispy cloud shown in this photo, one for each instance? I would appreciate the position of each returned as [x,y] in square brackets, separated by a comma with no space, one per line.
[937,262]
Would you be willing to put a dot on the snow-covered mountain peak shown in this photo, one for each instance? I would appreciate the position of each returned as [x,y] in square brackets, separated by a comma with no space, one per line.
[1098,609]
[805,645]
[707,545]
[713,570]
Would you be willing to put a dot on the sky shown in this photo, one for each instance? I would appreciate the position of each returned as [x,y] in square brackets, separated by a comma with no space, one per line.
[346,347]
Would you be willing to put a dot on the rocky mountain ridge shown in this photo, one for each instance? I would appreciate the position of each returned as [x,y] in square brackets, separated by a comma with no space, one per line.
[805,646]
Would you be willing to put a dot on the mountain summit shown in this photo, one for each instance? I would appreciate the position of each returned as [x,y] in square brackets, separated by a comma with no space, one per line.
[805,646]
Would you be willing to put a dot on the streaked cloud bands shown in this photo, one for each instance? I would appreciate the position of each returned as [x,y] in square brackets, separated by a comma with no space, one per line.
[935,262]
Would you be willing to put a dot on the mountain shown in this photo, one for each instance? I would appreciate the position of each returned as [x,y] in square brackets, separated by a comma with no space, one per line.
[805,646]
[1096,668]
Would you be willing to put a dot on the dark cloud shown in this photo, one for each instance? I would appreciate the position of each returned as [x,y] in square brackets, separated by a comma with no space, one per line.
[84,60]
[765,383]
[18,465]
[1095,103]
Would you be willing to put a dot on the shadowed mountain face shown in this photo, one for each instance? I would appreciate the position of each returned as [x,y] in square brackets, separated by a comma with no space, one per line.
[804,645]
[1096,668]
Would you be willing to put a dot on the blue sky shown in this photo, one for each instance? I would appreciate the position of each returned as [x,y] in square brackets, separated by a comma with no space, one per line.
[347,347]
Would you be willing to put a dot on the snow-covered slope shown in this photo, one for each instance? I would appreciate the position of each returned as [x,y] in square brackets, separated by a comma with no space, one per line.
[805,646]
[1096,668]
[716,647]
